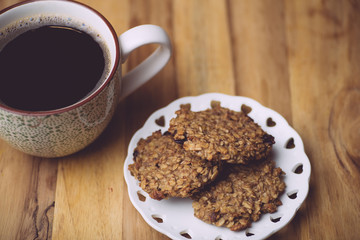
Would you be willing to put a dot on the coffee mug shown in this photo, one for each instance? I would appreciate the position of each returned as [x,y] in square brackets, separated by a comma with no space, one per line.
[33,124]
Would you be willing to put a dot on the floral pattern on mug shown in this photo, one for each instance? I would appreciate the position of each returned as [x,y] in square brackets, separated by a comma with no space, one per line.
[63,133]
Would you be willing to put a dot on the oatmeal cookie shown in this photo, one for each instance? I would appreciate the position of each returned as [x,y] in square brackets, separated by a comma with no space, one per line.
[242,196]
[221,133]
[165,169]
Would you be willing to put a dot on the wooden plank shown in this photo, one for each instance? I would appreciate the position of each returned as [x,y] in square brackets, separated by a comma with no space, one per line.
[202,47]
[27,187]
[323,59]
[260,53]
[88,194]
[155,94]
[7,3]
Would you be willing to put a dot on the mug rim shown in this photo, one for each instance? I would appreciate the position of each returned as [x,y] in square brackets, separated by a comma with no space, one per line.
[94,93]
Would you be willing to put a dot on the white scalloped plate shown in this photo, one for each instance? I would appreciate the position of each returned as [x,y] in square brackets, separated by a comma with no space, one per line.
[177,219]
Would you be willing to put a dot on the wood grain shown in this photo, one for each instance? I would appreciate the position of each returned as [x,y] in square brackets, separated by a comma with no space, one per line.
[260,55]
[27,187]
[300,58]
[202,47]
[321,42]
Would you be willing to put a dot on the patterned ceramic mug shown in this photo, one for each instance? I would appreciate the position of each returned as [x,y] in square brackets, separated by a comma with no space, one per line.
[63,131]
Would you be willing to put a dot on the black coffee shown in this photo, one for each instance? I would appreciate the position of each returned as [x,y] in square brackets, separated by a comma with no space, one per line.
[49,67]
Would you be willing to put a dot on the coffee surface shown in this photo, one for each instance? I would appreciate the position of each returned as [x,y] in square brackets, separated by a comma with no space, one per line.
[49,67]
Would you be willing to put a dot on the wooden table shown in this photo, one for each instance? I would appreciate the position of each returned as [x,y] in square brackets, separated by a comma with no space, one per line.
[300,58]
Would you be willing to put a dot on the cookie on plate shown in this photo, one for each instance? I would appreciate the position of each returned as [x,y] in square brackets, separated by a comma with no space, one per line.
[165,169]
[221,134]
[240,197]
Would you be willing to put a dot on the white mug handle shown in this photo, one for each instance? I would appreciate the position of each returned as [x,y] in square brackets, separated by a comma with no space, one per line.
[137,37]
